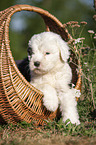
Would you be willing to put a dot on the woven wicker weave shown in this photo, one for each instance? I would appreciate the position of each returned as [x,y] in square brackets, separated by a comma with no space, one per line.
[19,101]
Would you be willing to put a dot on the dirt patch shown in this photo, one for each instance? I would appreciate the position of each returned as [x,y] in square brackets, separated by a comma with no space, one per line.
[36,137]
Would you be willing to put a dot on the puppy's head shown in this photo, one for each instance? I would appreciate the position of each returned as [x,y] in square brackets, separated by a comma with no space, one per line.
[45,51]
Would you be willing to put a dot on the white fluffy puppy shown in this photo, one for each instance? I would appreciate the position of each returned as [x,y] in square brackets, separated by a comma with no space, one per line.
[48,55]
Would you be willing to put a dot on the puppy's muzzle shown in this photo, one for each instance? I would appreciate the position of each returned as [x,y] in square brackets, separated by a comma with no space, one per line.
[37,63]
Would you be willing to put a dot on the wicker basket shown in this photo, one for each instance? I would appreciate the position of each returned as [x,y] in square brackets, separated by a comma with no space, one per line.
[19,101]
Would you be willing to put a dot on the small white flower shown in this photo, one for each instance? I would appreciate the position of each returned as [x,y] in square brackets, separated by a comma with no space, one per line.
[78,40]
[85,63]
[77,93]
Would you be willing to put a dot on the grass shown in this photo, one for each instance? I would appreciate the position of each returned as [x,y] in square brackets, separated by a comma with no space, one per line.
[58,132]
[53,133]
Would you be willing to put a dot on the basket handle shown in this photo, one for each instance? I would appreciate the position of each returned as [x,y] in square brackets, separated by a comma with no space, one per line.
[52,24]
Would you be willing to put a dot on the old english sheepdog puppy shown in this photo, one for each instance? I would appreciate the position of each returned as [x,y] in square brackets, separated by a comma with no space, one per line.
[48,54]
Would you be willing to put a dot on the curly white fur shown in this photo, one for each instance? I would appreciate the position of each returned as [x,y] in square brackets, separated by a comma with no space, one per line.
[52,74]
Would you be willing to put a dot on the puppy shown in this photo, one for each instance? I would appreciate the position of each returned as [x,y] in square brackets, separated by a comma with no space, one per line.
[48,54]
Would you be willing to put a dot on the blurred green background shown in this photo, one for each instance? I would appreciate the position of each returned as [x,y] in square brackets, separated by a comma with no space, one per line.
[24,24]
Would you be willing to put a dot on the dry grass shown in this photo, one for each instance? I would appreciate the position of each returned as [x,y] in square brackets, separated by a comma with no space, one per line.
[31,136]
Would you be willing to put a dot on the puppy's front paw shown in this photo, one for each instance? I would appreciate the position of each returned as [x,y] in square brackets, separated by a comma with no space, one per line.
[75,121]
[50,99]
[50,102]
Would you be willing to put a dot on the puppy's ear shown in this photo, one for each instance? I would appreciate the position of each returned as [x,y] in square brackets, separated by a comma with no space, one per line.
[64,49]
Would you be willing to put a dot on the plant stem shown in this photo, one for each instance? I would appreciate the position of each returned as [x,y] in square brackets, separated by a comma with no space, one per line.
[91,88]
[81,31]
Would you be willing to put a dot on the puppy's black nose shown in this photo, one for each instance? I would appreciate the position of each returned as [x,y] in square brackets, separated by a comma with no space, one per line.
[37,63]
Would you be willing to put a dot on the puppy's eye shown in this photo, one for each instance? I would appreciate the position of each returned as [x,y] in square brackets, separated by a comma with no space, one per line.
[29,50]
[47,53]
